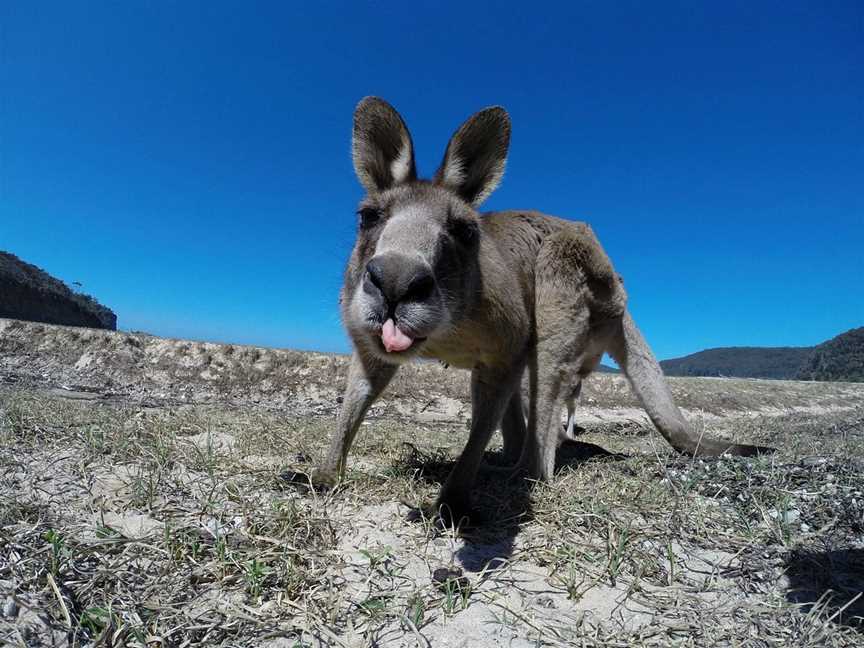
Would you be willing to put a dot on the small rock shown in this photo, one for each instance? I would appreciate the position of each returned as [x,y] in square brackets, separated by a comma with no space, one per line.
[10,608]
[813,461]
[449,576]
[792,515]
[201,575]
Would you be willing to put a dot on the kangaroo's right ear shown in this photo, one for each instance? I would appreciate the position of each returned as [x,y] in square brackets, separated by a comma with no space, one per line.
[476,154]
[381,146]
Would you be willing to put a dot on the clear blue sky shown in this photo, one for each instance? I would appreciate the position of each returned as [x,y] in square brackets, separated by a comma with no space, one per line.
[189,163]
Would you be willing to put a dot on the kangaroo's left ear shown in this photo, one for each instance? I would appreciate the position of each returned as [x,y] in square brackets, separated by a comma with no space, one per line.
[381,146]
[475,157]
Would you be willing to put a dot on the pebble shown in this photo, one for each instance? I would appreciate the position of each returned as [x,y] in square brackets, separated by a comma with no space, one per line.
[547,602]
[10,608]
[813,461]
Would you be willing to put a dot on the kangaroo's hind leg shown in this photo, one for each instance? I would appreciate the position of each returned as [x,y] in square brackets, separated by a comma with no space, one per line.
[555,374]
[513,428]
[563,325]
[578,297]
[569,431]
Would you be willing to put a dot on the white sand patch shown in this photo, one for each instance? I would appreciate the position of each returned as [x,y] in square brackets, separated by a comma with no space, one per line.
[131,525]
[435,409]
[211,441]
[112,488]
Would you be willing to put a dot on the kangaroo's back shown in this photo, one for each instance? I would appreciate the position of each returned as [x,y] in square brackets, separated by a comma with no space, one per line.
[518,237]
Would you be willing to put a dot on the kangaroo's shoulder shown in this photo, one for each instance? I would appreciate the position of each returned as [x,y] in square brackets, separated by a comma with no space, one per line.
[558,250]
[527,231]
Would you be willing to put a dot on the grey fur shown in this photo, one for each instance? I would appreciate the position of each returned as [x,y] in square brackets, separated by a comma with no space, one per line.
[511,292]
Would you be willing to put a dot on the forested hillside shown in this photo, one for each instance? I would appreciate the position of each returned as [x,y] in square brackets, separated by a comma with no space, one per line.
[30,293]
[840,358]
[740,362]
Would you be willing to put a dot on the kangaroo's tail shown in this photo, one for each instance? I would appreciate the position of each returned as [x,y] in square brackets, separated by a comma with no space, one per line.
[633,355]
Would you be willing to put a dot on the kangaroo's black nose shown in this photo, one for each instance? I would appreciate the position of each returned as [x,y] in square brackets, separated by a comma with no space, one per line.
[375,274]
[398,278]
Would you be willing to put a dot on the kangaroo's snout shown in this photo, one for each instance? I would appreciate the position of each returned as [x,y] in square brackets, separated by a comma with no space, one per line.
[400,292]
[397,278]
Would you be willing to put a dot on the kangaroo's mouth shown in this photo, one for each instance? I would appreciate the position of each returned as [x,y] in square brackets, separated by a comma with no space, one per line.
[395,340]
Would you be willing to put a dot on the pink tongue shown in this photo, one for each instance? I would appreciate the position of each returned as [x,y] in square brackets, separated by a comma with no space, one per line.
[393,338]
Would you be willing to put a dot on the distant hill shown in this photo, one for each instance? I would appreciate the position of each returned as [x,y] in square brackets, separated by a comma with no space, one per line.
[840,358]
[30,293]
[741,362]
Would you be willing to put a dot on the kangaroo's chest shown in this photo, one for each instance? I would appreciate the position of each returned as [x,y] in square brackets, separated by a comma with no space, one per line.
[463,351]
[494,336]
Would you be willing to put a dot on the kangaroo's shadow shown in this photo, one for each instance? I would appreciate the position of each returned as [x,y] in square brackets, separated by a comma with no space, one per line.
[502,501]
[833,579]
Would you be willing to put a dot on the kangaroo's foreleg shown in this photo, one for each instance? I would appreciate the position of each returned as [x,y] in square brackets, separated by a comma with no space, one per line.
[491,389]
[367,378]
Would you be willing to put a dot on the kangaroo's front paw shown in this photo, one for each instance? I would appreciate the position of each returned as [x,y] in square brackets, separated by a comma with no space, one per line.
[320,480]
[323,479]
[295,479]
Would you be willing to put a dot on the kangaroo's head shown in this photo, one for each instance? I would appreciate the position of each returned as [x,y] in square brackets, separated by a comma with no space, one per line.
[414,269]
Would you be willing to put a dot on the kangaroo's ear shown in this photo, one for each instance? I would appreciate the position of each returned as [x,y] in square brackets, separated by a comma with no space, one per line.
[381,146]
[475,157]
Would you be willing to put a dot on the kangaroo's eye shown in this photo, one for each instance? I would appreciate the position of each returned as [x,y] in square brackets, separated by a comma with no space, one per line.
[464,231]
[369,216]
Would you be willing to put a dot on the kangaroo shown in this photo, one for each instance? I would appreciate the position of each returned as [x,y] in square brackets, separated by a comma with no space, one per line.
[500,293]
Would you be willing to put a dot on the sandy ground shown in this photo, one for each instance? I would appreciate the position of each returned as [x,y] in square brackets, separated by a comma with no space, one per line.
[142,503]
